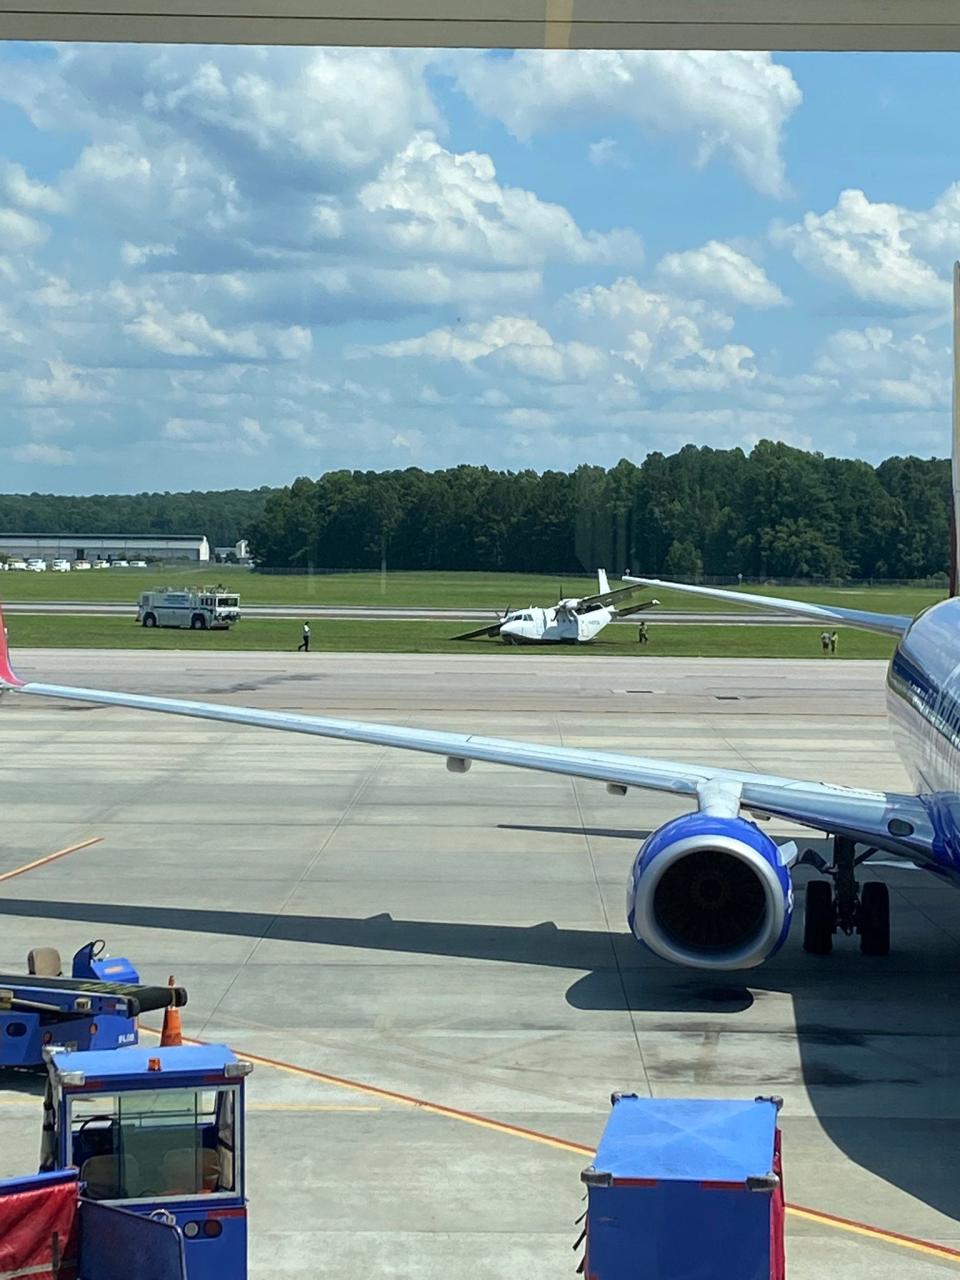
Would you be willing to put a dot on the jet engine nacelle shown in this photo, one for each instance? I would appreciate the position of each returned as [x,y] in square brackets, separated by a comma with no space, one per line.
[710,892]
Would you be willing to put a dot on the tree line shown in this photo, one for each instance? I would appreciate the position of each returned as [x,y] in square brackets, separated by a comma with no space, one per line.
[223,515]
[773,512]
[776,511]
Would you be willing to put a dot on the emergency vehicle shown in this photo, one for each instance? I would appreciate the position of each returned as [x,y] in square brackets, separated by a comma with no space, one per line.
[204,610]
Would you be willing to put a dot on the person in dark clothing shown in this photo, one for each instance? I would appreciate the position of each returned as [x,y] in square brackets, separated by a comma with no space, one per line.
[304,644]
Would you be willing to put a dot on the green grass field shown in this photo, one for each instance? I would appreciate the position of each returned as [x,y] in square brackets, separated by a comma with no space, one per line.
[351,636]
[494,591]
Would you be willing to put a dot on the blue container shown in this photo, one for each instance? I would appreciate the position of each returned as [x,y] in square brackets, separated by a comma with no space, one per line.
[686,1190]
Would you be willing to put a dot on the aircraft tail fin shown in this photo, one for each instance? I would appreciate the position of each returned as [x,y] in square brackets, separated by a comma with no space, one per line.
[955,441]
[603,586]
[8,677]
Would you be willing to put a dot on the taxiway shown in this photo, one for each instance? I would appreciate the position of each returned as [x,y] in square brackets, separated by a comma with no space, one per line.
[461,940]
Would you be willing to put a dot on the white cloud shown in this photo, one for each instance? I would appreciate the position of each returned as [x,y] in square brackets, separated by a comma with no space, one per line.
[202,435]
[877,366]
[27,193]
[607,153]
[516,342]
[17,231]
[135,255]
[718,269]
[192,334]
[872,248]
[436,203]
[46,455]
[65,384]
[735,104]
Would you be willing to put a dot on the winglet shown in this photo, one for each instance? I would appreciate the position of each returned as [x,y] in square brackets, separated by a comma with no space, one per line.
[8,677]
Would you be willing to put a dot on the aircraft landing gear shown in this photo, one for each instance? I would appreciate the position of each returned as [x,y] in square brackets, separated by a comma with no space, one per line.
[844,906]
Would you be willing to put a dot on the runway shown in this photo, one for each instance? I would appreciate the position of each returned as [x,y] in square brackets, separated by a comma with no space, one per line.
[376,613]
[393,933]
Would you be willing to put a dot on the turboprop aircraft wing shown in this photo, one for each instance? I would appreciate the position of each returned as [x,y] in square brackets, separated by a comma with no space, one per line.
[492,630]
[888,820]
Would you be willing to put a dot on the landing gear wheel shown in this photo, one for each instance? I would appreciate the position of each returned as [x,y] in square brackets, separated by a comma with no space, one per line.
[875,919]
[818,918]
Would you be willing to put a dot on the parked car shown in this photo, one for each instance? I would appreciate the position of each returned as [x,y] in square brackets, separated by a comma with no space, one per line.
[102,564]
[138,564]
[37,566]
[120,564]
[81,564]
[16,564]
[61,566]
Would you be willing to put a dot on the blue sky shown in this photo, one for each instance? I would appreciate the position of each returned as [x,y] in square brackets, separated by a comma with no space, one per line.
[233,266]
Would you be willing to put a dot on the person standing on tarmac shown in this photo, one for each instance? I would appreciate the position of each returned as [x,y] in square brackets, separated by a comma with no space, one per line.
[833,642]
[304,645]
[643,636]
[825,641]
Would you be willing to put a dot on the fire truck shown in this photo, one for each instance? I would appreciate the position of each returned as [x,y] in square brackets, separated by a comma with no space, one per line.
[208,609]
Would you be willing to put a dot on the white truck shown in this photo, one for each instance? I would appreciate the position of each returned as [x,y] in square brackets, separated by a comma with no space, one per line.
[207,609]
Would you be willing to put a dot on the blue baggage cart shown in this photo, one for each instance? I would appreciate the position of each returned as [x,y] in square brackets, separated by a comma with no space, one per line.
[686,1190]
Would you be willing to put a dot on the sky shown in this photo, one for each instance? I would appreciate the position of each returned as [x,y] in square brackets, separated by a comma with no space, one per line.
[228,267]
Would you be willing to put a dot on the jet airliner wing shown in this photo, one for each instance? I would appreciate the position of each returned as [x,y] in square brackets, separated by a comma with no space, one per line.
[891,624]
[898,823]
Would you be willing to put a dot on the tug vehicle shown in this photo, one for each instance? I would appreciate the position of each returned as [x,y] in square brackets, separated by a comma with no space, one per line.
[142,1168]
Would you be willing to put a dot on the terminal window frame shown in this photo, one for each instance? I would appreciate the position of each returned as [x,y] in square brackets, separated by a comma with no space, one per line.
[166,1144]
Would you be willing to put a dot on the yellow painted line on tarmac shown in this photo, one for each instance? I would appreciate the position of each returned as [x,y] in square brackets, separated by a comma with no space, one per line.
[800,1212]
[942,1251]
[310,1106]
[50,857]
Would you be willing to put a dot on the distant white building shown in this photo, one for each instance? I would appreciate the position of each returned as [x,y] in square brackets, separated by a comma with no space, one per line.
[239,549]
[96,546]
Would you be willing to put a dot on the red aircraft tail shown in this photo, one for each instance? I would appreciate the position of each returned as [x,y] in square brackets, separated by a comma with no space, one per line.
[7,674]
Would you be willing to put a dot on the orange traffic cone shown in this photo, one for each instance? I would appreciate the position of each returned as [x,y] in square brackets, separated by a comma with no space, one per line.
[172,1033]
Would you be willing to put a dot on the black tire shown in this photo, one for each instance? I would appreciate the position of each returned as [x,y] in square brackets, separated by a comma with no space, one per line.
[198,622]
[875,919]
[818,918]
[149,619]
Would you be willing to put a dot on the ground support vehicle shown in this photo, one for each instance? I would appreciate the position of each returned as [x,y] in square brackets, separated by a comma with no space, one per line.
[686,1190]
[157,1132]
[48,1231]
[95,1008]
[204,610]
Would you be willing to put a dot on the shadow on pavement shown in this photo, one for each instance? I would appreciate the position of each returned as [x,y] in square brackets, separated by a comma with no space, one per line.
[879,1068]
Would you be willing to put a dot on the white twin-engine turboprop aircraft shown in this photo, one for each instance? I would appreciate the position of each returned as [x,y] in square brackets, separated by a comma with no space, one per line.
[710,888]
[572,621]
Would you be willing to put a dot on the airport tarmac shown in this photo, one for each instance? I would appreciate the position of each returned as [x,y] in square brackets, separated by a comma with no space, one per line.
[365,915]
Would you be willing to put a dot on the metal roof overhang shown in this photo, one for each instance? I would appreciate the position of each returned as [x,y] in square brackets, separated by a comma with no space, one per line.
[553,24]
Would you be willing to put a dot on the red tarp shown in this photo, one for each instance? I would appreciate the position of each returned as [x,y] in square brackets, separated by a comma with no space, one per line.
[39,1233]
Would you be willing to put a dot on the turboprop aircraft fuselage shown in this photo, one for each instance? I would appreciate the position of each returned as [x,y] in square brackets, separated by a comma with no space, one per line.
[560,624]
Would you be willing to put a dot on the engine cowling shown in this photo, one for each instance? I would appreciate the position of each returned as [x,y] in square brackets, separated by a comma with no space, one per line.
[710,892]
